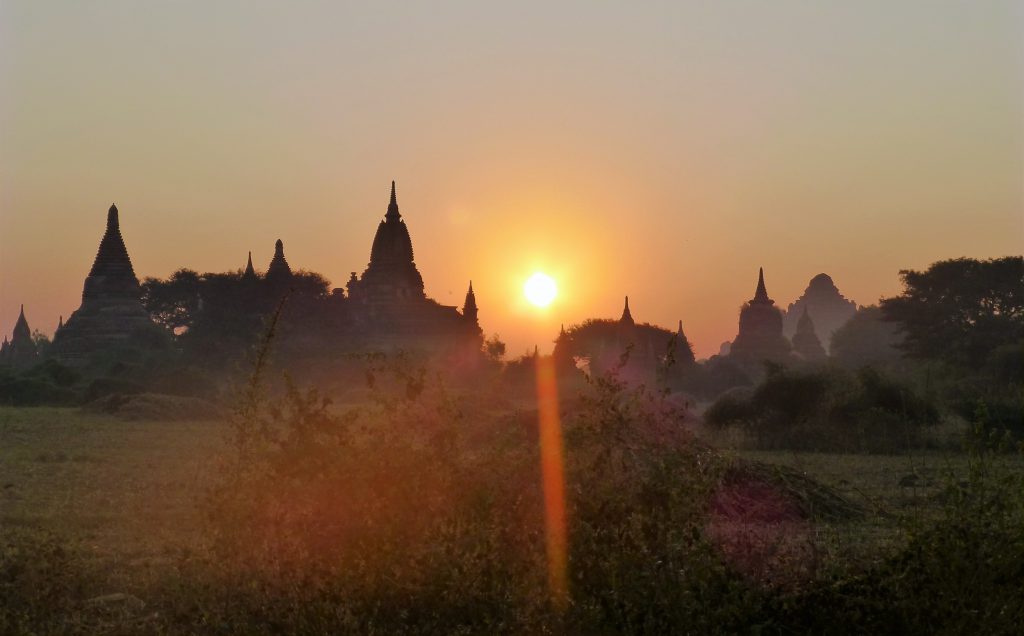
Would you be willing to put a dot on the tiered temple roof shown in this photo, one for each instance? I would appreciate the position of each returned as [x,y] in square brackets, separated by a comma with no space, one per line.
[278,270]
[21,351]
[111,313]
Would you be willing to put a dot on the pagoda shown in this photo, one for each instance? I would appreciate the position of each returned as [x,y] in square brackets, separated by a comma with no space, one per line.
[825,305]
[805,341]
[388,304]
[760,332]
[21,351]
[111,314]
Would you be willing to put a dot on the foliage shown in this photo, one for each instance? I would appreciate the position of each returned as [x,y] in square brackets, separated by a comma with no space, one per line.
[827,409]
[866,339]
[960,310]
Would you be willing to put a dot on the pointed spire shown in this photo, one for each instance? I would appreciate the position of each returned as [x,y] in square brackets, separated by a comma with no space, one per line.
[278,267]
[60,322]
[761,295]
[250,272]
[469,309]
[393,205]
[627,317]
[680,332]
[112,261]
[22,332]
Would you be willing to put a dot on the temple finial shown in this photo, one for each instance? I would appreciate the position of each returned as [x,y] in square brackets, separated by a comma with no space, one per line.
[112,222]
[627,317]
[393,204]
[250,271]
[761,295]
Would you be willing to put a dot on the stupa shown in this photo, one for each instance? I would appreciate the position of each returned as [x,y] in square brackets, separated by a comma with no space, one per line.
[111,314]
[760,333]
[21,352]
[805,341]
[827,307]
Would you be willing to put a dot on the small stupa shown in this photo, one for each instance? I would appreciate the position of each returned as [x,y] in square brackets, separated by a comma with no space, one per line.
[805,341]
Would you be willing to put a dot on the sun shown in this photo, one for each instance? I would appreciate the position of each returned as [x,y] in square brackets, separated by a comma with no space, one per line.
[540,289]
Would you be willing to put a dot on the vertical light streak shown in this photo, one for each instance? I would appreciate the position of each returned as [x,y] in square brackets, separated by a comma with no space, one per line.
[552,474]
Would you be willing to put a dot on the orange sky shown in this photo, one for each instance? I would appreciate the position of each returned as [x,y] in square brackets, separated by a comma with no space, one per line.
[663,152]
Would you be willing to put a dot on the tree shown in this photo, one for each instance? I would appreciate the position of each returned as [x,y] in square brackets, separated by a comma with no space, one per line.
[960,310]
[866,339]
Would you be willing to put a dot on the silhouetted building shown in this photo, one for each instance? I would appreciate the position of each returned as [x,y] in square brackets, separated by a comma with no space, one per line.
[599,346]
[805,340]
[469,308]
[760,333]
[388,304]
[21,352]
[683,352]
[249,274]
[111,314]
[827,307]
[278,271]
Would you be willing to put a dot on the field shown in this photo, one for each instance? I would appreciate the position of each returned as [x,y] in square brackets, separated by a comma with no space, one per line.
[124,496]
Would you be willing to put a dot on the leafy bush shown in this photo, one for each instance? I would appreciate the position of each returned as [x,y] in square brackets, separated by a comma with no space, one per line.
[827,409]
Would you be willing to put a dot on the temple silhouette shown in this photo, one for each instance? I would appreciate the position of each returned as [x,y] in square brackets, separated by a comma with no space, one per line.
[384,308]
[760,333]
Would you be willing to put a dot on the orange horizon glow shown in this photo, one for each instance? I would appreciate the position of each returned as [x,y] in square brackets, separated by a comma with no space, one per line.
[664,152]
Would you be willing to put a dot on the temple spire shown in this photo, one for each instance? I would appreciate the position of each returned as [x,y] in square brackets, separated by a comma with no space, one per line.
[278,267]
[393,205]
[469,309]
[250,272]
[761,295]
[112,222]
[627,317]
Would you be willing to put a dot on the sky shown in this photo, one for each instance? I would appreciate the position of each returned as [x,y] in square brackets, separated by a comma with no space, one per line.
[663,150]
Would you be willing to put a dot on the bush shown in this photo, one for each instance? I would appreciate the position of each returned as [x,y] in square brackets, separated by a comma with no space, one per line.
[828,409]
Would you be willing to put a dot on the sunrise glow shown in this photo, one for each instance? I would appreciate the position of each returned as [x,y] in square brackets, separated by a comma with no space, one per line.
[540,289]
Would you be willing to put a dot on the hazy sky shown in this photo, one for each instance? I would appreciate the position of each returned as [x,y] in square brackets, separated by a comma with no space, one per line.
[661,150]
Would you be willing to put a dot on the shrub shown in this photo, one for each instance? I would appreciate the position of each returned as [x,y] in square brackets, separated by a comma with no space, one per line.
[827,409]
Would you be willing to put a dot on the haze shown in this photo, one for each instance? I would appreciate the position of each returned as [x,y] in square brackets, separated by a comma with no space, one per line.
[663,150]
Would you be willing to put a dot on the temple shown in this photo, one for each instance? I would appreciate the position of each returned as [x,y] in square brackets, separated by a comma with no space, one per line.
[111,314]
[805,341]
[760,331]
[825,305]
[387,303]
[21,351]
[278,271]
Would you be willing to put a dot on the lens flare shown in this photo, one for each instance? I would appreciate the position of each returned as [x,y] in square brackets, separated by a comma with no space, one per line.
[552,475]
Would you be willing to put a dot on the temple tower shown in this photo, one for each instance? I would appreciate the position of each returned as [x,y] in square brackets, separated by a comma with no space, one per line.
[278,270]
[391,276]
[760,332]
[21,352]
[805,340]
[249,274]
[111,313]
[827,307]
[627,318]
[469,309]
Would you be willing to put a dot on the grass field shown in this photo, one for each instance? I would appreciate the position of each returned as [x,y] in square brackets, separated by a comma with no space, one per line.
[125,493]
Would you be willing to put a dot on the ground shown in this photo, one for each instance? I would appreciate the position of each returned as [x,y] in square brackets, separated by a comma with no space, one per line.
[126,494]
